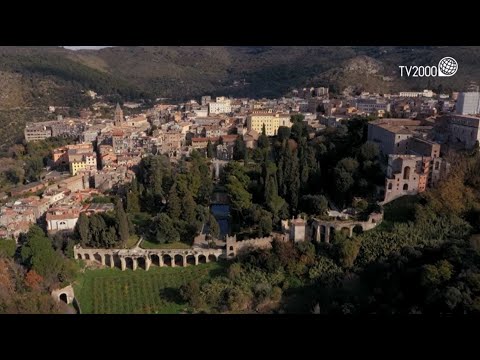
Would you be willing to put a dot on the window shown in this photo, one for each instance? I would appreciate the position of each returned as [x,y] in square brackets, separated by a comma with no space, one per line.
[390,186]
[405,187]
[437,165]
[406,173]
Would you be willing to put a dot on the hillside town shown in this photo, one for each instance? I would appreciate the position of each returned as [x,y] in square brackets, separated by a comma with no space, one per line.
[257,205]
[413,130]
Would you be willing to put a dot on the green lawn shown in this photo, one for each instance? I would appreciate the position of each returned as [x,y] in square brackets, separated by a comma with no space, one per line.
[112,291]
[132,240]
[176,245]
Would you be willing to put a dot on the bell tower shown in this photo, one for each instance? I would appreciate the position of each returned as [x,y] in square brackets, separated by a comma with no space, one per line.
[118,119]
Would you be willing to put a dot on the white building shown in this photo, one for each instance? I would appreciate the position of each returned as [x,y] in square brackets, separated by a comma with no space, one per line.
[202,112]
[409,94]
[220,107]
[468,103]
[62,218]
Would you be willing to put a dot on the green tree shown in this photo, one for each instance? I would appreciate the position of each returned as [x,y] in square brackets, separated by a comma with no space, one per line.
[213,227]
[265,225]
[97,227]
[263,142]
[314,204]
[110,237]
[240,198]
[122,221]
[348,249]
[299,131]
[173,206]
[188,208]
[7,248]
[33,168]
[297,118]
[239,148]
[369,151]
[164,230]
[210,150]
[293,180]
[38,254]
[283,133]
[82,229]
[190,292]
[133,198]
[344,177]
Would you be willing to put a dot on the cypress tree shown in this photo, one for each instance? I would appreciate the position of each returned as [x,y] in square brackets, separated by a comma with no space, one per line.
[122,221]
[173,206]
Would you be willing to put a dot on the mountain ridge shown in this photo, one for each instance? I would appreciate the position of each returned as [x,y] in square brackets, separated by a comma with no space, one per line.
[36,77]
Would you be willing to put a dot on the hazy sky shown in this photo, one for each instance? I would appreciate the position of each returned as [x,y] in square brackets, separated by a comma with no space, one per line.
[85,47]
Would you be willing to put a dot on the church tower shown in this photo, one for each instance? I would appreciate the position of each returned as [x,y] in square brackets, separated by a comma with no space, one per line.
[118,119]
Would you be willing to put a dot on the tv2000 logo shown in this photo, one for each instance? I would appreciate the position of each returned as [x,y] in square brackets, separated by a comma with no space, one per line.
[448,66]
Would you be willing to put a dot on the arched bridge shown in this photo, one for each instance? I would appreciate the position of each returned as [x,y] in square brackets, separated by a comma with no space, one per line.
[145,258]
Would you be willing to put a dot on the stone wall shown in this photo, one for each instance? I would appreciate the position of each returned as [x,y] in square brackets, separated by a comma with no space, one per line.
[66,294]
[323,229]
[234,247]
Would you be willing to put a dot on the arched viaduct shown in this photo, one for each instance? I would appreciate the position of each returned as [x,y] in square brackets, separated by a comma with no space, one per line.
[323,229]
[144,258]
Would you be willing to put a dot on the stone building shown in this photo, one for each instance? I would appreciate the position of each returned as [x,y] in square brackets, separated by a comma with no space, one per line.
[119,120]
[392,135]
[411,174]
[296,229]
[406,175]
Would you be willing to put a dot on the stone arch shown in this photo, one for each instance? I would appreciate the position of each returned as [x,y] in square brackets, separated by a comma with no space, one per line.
[108,260]
[97,257]
[323,231]
[231,248]
[117,262]
[142,264]
[212,257]
[202,259]
[79,256]
[331,235]
[405,187]
[63,297]
[190,260]
[345,230]
[406,173]
[357,229]
[87,256]
[231,255]
[390,186]
[167,260]
[129,263]
[155,259]
[178,260]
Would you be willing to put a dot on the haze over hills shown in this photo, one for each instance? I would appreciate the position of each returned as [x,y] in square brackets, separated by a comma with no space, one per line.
[35,77]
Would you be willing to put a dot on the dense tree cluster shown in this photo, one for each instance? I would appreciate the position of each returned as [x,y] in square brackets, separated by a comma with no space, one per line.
[26,163]
[421,259]
[103,230]
[171,204]
[284,176]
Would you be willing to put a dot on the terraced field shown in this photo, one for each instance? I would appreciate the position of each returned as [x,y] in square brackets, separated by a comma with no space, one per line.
[112,291]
